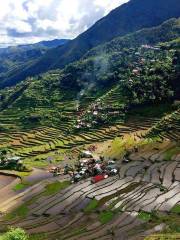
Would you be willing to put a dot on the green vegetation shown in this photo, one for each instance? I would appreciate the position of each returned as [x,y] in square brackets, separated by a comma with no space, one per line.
[171,220]
[163,237]
[169,124]
[125,71]
[20,212]
[20,186]
[106,216]
[171,153]
[55,187]
[15,234]
[93,204]
[151,111]
[50,189]
[176,209]
[123,86]
[144,216]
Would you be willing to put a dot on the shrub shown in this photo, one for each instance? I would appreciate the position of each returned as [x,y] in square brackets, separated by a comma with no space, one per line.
[15,234]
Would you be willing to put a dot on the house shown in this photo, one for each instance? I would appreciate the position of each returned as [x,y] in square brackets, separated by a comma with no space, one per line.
[137,54]
[95,113]
[14,159]
[136,71]
[86,154]
[114,113]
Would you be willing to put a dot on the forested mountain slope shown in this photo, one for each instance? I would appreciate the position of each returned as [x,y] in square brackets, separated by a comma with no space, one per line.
[126,73]
[130,17]
[14,58]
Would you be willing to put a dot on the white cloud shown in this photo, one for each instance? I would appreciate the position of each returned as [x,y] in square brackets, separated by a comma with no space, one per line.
[26,21]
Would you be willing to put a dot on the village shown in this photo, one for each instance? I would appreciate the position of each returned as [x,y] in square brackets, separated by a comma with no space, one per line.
[98,114]
[88,166]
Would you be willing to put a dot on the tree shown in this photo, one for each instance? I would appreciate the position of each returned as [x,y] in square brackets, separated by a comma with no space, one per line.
[15,234]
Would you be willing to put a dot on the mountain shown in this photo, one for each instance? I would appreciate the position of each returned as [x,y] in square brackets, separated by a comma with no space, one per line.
[165,32]
[14,58]
[141,68]
[130,17]
[49,44]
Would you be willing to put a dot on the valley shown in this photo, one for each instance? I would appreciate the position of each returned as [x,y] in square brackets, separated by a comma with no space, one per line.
[90,131]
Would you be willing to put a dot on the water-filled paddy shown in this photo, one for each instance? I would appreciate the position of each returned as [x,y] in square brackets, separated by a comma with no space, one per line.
[5,180]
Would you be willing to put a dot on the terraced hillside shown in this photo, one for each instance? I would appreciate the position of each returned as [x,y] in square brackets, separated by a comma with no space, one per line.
[142,200]
[168,127]
[36,146]
[141,71]
[123,103]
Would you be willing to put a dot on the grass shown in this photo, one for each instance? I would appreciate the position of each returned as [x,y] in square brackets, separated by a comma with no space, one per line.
[176,209]
[20,212]
[106,216]
[163,237]
[91,206]
[171,152]
[171,220]
[22,174]
[17,173]
[145,216]
[20,186]
[120,146]
[56,187]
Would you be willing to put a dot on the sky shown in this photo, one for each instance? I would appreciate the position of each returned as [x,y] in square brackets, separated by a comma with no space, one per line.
[29,21]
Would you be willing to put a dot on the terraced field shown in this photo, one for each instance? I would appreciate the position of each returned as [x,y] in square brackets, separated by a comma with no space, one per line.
[168,127]
[135,203]
[138,202]
[106,210]
[36,145]
[40,143]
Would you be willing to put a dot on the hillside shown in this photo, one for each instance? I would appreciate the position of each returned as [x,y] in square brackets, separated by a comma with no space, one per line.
[130,17]
[128,71]
[92,151]
[143,199]
[18,57]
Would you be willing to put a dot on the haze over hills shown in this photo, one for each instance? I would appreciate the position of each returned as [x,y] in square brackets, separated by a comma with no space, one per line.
[17,57]
[132,16]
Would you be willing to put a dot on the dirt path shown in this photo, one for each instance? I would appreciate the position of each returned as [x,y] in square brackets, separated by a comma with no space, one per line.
[6,187]
[38,175]
[5,180]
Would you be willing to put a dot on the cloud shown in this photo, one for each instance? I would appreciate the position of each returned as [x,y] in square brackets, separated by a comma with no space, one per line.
[27,21]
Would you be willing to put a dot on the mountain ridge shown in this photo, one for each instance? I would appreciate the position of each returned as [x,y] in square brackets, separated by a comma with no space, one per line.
[17,57]
[129,17]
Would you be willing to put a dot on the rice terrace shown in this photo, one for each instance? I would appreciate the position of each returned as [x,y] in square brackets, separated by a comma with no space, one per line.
[90,126]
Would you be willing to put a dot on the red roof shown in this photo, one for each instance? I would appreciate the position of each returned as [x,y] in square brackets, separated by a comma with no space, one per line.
[98,178]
